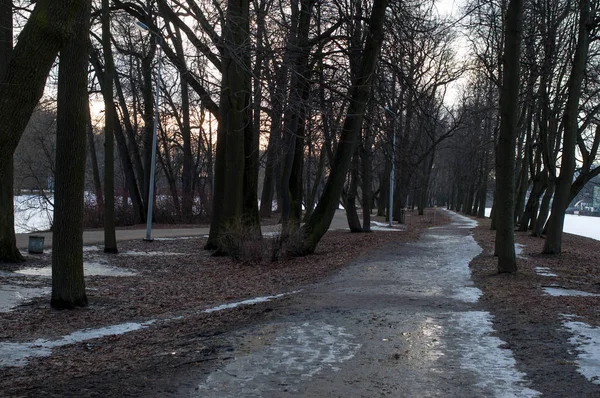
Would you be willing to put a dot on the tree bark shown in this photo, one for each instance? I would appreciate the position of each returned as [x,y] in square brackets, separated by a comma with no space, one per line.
[318,224]
[505,164]
[553,244]
[49,27]
[68,285]
[110,236]
[8,243]
[233,120]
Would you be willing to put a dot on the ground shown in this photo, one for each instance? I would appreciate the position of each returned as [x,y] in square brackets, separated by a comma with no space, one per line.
[346,295]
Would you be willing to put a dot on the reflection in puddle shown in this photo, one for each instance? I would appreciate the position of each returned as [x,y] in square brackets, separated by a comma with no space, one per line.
[544,271]
[12,296]
[481,354]
[586,339]
[560,291]
[90,268]
[296,355]
[16,354]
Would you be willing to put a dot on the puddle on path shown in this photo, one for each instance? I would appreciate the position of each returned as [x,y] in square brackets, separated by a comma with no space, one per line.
[17,354]
[90,268]
[14,295]
[297,354]
[561,291]
[586,340]
[481,354]
[544,271]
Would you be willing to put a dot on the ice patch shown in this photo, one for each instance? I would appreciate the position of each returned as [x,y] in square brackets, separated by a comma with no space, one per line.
[12,296]
[255,300]
[519,250]
[560,291]
[90,268]
[544,271]
[296,355]
[16,354]
[481,354]
[586,339]
[140,253]
[467,294]
[176,238]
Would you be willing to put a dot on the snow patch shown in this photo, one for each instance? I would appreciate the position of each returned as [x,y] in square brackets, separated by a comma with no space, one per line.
[16,354]
[251,301]
[586,339]
[544,271]
[140,253]
[12,296]
[90,268]
[560,291]
[481,354]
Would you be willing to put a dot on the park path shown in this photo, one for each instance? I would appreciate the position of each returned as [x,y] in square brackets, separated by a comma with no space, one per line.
[96,237]
[401,322]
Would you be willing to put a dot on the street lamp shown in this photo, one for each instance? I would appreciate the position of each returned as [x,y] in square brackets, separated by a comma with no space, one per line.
[148,237]
[392,176]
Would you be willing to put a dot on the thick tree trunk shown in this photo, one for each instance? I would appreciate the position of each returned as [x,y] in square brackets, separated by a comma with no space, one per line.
[21,86]
[8,243]
[233,120]
[505,165]
[68,285]
[318,224]
[553,244]
[110,236]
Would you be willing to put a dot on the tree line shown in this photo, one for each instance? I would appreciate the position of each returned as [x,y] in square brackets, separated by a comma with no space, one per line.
[304,103]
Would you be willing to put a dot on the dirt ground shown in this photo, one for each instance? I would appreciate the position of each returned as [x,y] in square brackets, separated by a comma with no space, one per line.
[531,321]
[175,280]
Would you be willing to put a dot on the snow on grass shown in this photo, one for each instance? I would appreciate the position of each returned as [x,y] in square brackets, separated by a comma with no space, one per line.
[586,340]
[17,354]
[560,291]
[544,271]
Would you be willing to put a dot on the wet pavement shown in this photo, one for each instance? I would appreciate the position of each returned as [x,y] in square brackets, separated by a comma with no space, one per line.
[403,322]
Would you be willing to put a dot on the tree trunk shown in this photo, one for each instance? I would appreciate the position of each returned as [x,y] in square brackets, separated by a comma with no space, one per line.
[351,213]
[505,165]
[22,84]
[542,217]
[553,244]
[318,224]
[94,162]
[367,176]
[68,285]
[8,243]
[233,120]
[110,236]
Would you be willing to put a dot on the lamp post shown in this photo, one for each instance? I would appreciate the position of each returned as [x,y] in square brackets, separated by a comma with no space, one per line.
[148,237]
[392,173]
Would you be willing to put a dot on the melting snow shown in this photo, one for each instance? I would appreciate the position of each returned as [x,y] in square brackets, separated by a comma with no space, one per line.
[544,271]
[255,300]
[586,339]
[481,354]
[139,253]
[11,296]
[560,291]
[16,354]
[297,354]
[90,268]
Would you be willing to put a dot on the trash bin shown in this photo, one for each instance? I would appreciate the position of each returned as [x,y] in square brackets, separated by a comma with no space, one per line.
[36,244]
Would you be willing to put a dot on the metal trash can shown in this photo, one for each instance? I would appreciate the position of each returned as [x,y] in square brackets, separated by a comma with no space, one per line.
[36,244]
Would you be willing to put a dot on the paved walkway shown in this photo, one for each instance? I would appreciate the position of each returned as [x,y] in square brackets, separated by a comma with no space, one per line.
[402,322]
[96,237]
